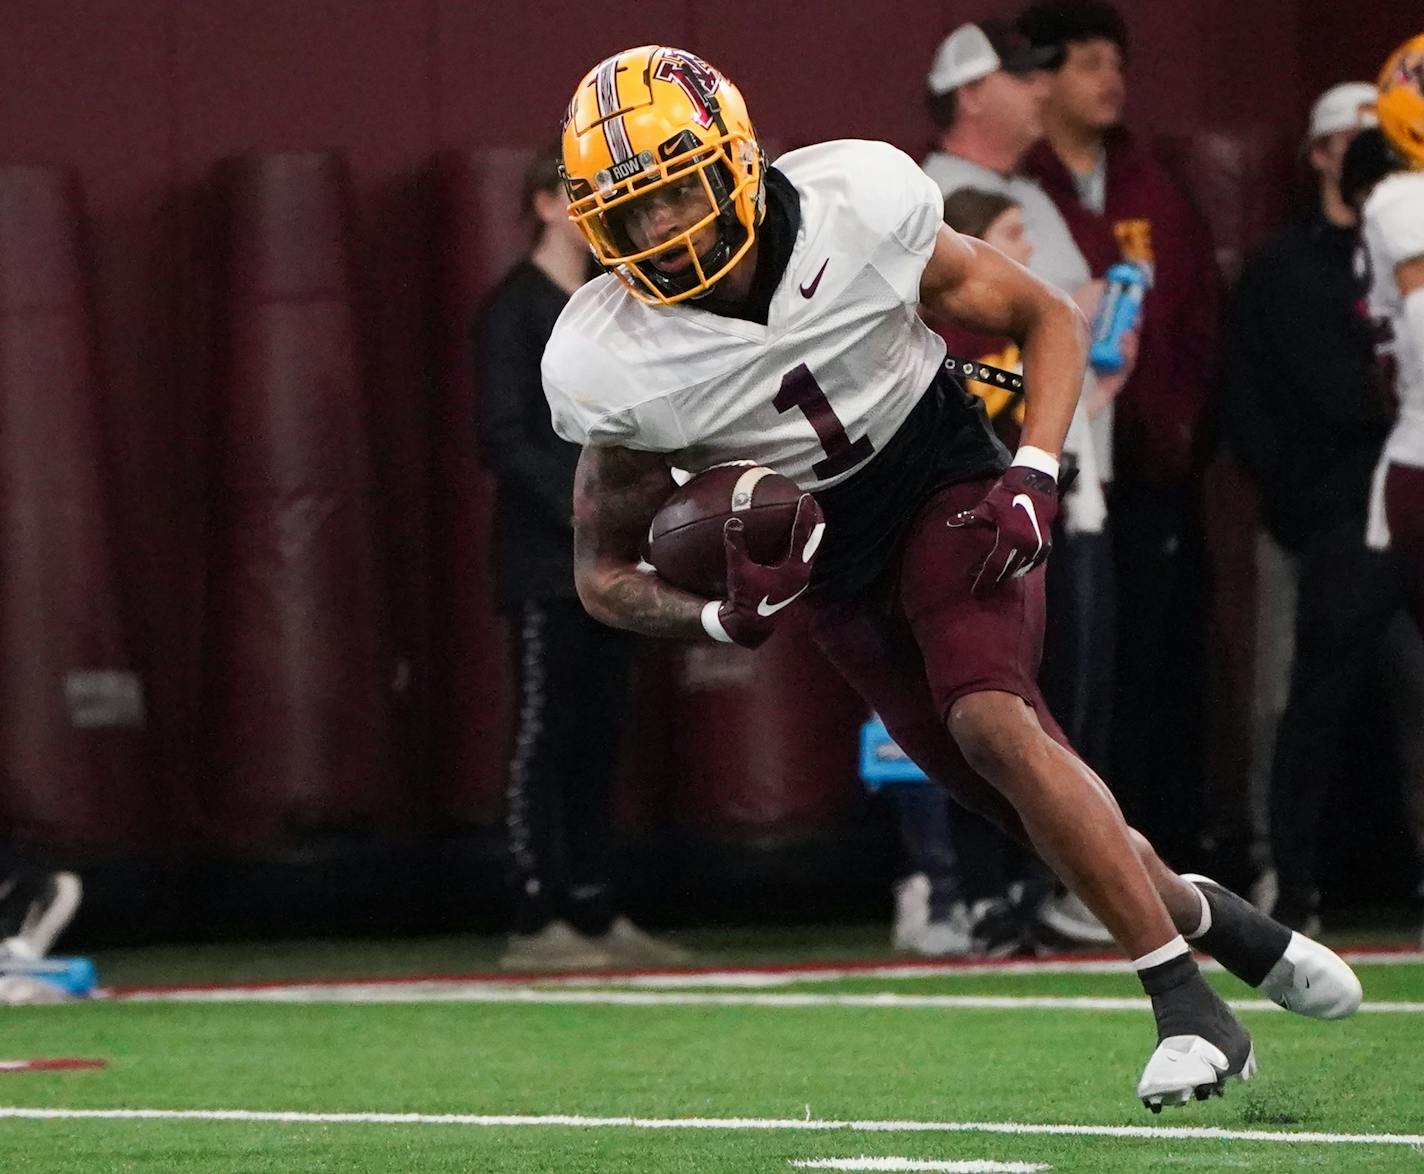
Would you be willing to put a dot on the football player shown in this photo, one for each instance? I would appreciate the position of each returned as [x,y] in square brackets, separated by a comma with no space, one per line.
[1392,222]
[770,313]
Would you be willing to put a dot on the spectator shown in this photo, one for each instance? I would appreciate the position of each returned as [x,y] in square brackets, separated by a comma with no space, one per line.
[1307,422]
[1121,204]
[985,95]
[572,671]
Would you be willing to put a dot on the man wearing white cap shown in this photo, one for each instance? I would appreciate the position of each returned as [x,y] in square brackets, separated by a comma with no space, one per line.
[985,95]
[1305,419]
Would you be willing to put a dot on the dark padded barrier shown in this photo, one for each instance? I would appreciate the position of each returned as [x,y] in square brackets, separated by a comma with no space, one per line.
[765,743]
[296,698]
[471,666]
[72,710]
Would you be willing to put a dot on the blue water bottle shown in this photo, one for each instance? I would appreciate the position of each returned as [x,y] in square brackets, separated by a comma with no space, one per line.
[1117,314]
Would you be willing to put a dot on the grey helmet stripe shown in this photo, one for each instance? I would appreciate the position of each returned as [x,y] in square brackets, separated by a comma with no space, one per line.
[614,130]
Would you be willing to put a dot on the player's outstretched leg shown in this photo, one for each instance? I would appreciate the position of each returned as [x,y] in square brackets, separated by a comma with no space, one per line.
[1287,967]
[1075,825]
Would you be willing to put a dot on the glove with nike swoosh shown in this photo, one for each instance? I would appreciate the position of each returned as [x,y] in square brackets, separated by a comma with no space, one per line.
[758,592]
[1020,507]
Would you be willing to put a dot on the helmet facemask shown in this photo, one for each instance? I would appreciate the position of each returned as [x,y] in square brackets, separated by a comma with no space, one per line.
[605,213]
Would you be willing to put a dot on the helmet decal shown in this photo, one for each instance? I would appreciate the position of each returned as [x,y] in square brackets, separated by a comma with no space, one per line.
[1401,100]
[614,129]
[696,79]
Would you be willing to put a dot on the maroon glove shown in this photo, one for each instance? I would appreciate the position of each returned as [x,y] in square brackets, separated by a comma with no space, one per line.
[1020,507]
[756,592]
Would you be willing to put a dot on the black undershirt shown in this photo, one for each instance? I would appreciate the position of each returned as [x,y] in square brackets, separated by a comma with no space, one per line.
[776,238]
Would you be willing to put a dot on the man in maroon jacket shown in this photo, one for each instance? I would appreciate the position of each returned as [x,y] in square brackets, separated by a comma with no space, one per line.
[1120,204]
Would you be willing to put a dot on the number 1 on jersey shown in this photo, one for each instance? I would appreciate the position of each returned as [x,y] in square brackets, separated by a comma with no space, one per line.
[799,389]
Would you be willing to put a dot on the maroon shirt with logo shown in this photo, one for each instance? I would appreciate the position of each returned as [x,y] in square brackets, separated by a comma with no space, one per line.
[1159,414]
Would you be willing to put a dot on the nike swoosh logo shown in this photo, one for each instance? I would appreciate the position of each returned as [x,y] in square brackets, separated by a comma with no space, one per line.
[1025,503]
[767,608]
[809,291]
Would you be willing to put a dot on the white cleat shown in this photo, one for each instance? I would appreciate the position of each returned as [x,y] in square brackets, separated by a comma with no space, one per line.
[1308,978]
[1311,979]
[1187,1066]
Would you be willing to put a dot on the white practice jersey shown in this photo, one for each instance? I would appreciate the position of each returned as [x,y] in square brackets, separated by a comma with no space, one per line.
[815,392]
[1394,232]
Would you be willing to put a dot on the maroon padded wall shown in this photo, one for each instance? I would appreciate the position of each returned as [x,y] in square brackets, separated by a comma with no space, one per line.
[296,695]
[763,742]
[72,710]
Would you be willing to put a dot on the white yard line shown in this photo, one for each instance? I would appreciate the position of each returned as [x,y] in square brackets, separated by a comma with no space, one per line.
[445,992]
[974,1166]
[768,976]
[755,977]
[764,1124]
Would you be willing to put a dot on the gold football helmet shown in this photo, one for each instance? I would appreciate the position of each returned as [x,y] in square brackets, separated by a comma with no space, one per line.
[1401,100]
[663,171]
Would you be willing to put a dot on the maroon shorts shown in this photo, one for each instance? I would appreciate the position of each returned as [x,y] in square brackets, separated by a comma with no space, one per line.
[1404,511]
[915,645]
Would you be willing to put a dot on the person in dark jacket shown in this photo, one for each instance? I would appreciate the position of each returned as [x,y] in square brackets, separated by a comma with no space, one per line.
[1121,204]
[572,671]
[1307,419]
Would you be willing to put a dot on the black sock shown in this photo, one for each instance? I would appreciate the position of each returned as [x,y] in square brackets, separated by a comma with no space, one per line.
[1183,1004]
[1240,937]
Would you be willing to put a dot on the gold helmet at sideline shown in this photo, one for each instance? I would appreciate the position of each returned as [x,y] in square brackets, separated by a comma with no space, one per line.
[1401,101]
[646,119]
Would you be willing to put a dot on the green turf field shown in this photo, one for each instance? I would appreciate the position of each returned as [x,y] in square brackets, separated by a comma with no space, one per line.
[737,1087]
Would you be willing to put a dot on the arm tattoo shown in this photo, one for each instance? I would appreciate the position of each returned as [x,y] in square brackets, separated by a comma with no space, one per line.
[616,493]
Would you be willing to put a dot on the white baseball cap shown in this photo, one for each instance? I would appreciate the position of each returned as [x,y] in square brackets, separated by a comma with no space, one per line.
[1348,106]
[974,51]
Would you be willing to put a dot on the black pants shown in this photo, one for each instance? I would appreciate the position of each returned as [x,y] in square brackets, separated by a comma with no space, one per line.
[1156,753]
[572,674]
[1079,636]
[1347,596]
[20,882]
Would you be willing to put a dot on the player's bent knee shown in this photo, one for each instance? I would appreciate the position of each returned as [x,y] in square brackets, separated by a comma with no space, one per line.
[995,733]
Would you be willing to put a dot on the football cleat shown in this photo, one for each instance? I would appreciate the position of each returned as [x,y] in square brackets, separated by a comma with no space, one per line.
[1302,975]
[1187,1066]
[1312,980]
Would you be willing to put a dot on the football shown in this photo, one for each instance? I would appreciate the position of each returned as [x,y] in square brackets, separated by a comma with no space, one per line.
[685,541]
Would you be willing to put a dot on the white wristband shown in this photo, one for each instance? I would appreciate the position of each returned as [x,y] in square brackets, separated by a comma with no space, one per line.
[712,622]
[1037,458]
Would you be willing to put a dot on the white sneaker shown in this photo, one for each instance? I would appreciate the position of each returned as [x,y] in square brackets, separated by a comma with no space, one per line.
[628,945]
[1066,915]
[949,937]
[558,946]
[49,913]
[1186,1066]
[912,913]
